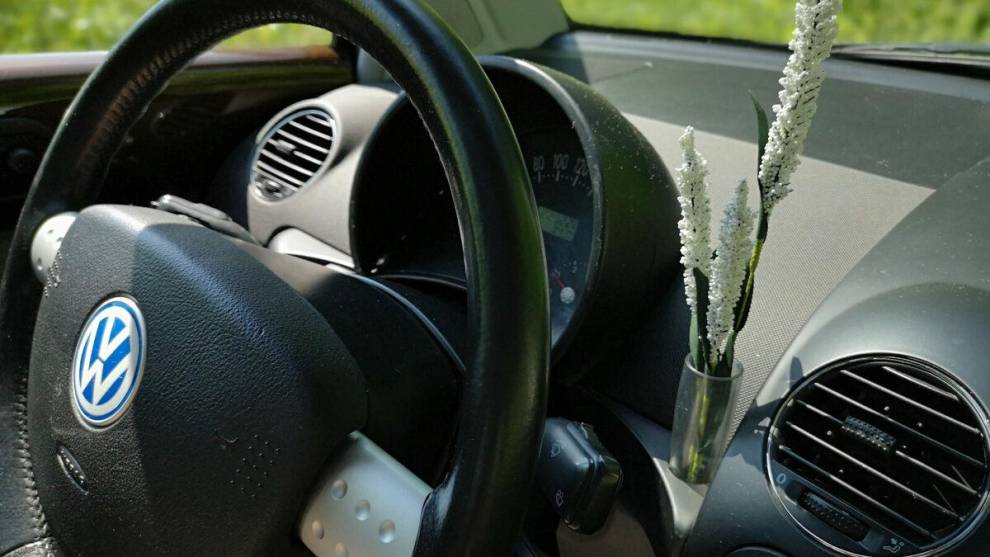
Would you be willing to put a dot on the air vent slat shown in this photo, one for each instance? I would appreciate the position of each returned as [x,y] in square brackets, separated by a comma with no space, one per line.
[940,475]
[820,412]
[894,422]
[308,158]
[306,172]
[918,529]
[900,454]
[944,498]
[853,435]
[302,142]
[286,161]
[311,131]
[919,383]
[875,473]
[961,477]
[911,402]
[278,173]
[320,121]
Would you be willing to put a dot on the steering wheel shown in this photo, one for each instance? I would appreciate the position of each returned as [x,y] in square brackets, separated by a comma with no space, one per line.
[163,362]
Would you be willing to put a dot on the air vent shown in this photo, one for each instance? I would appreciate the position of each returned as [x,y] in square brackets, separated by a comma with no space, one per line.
[881,455]
[293,153]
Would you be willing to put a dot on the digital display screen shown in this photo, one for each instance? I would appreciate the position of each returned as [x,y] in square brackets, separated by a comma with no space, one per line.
[558,224]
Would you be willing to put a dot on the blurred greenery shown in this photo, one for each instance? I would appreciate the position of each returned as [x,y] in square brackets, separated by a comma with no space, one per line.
[72,25]
[771,21]
[76,25]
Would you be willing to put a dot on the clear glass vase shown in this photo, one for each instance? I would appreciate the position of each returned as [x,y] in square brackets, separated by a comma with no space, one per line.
[702,416]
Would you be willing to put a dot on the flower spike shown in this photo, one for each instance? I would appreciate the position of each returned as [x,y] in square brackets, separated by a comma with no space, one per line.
[729,269]
[696,214]
[720,289]
[814,32]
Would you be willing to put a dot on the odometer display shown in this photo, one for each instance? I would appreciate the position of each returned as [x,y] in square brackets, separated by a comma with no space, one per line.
[558,224]
[558,170]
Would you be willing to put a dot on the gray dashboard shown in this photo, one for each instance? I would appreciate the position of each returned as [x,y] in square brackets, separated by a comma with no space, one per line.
[883,139]
[884,245]
[323,209]
[923,291]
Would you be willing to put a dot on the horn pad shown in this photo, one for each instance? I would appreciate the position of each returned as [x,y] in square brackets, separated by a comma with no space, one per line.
[212,447]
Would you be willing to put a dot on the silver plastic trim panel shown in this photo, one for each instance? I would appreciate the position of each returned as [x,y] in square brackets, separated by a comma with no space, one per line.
[47,241]
[292,241]
[366,505]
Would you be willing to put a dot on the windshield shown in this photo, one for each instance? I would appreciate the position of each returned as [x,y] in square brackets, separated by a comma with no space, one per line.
[28,26]
[76,25]
[771,21]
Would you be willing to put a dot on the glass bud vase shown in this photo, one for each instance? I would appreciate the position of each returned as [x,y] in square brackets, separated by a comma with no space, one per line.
[702,416]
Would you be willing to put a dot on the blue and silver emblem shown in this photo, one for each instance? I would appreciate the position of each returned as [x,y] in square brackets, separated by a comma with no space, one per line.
[109,361]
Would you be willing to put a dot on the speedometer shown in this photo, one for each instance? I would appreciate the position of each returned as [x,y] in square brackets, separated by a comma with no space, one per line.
[558,170]
[606,206]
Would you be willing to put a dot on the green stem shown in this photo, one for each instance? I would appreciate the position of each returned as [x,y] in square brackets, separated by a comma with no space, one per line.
[698,455]
[746,300]
[699,323]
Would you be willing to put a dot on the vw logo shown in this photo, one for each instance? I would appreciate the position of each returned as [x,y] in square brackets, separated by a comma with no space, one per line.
[109,361]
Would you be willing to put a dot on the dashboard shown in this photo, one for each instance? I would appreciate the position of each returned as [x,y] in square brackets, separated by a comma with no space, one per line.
[868,305]
[601,190]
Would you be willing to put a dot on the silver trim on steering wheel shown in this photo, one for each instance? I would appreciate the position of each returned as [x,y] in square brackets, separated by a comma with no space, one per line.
[367,504]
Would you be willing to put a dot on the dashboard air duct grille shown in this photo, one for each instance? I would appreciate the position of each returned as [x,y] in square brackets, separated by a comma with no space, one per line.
[881,454]
[293,153]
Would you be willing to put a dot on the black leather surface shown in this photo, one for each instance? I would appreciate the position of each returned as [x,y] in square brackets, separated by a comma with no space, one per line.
[480,505]
[413,384]
[246,391]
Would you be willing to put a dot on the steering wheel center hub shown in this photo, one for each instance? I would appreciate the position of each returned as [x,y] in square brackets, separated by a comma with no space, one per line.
[177,375]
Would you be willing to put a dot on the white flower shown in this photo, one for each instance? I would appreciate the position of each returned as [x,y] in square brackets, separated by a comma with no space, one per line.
[729,269]
[696,214]
[814,33]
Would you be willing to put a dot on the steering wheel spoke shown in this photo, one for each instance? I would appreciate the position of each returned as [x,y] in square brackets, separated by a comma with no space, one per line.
[367,503]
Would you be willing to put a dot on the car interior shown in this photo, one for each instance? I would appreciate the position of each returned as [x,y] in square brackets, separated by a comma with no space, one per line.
[419,291]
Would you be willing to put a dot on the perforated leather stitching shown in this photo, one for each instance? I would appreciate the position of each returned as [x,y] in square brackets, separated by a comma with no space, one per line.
[22,447]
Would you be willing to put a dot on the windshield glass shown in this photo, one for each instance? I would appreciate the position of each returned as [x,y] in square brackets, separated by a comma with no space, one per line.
[28,26]
[771,21]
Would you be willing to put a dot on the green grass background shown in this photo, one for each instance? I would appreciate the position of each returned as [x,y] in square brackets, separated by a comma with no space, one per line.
[72,25]
[772,21]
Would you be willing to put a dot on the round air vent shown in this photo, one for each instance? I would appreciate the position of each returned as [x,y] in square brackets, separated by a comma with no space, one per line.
[293,153]
[881,456]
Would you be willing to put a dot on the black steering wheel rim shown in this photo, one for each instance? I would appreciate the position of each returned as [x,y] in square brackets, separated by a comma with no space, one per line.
[480,504]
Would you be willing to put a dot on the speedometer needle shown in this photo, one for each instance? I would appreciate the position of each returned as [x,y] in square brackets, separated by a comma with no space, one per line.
[559,282]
